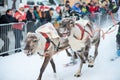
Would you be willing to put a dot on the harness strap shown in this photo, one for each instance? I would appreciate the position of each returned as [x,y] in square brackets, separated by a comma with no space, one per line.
[82,30]
[47,40]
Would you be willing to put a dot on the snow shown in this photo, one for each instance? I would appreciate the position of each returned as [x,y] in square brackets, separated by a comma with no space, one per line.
[20,67]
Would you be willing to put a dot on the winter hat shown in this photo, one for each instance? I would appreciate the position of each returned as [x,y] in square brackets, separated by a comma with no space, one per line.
[67,1]
[21,5]
[42,7]
[31,7]
[77,3]
[84,2]
[51,9]
[58,8]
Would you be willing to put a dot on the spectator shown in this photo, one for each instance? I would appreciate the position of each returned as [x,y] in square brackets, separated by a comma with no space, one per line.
[67,3]
[49,15]
[20,15]
[118,33]
[37,16]
[97,7]
[42,15]
[7,18]
[92,7]
[104,8]
[114,7]
[76,8]
[59,11]
[66,12]
[84,9]
[36,12]
[31,20]
[92,10]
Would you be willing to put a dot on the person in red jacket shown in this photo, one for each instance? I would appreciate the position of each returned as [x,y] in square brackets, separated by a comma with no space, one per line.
[92,10]
[20,15]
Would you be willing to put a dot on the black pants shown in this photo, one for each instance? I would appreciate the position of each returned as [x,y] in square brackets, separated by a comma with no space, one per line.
[5,38]
[31,27]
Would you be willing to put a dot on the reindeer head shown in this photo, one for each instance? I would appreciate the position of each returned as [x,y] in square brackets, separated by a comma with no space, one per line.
[65,27]
[31,44]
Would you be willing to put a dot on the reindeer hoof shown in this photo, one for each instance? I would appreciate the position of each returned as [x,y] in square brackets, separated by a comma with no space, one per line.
[90,66]
[77,75]
[83,61]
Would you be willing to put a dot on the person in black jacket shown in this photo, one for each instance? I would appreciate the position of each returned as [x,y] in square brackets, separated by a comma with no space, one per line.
[7,18]
[49,15]
[118,32]
[31,19]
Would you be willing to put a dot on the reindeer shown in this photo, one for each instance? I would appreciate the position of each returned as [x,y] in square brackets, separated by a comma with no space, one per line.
[46,46]
[85,35]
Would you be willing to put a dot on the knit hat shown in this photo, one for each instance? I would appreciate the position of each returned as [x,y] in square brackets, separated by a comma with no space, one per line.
[42,7]
[21,5]
[31,7]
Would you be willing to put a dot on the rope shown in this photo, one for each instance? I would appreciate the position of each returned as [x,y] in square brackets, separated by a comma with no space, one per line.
[108,31]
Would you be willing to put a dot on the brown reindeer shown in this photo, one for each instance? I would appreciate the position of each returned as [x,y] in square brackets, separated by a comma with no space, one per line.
[46,46]
[81,36]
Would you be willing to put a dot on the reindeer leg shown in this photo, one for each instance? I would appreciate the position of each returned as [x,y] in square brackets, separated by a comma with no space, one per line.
[95,53]
[78,74]
[86,52]
[96,50]
[86,55]
[45,63]
[82,56]
[53,65]
[91,62]
[68,53]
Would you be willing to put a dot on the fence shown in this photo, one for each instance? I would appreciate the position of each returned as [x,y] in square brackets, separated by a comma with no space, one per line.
[103,19]
[12,36]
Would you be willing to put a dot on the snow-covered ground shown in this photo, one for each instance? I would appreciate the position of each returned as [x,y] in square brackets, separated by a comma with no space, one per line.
[20,67]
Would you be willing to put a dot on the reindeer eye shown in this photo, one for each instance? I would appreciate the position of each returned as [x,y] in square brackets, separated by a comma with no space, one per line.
[35,41]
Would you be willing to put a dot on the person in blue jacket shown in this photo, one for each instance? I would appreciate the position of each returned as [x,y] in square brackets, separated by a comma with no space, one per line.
[76,7]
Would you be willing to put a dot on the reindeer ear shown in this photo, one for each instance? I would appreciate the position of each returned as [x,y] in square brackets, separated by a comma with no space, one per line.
[29,33]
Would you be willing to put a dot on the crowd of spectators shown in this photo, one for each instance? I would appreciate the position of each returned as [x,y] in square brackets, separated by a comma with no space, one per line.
[37,16]
[92,8]
[34,17]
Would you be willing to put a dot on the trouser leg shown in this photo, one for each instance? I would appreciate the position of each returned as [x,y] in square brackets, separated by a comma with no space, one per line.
[5,38]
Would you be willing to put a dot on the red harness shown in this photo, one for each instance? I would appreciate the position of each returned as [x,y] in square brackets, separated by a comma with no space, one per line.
[47,40]
[82,30]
